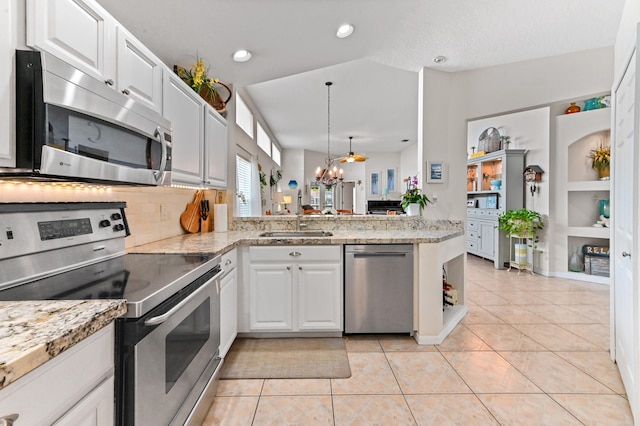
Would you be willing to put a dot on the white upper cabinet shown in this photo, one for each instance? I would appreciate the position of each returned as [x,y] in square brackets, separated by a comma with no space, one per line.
[139,72]
[185,109]
[215,147]
[79,32]
[83,34]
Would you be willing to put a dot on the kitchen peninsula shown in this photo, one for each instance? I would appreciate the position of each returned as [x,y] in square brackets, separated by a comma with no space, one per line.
[437,244]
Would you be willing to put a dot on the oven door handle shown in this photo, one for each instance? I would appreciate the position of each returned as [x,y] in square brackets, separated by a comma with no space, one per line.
[162,318]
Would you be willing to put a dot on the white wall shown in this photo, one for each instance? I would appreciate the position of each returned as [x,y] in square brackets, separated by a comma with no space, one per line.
[441,137]
[448,101]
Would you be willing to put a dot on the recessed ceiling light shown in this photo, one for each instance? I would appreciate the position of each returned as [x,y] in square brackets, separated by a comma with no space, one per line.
[344,31]
[242,56]
[439,59]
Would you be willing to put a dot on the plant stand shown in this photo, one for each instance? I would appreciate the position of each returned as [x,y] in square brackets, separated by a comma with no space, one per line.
[516,259]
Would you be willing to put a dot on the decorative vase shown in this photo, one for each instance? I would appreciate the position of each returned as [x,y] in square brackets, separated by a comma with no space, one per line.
[605,208]
[603,173]
[572,108]
[590,104]
[575,261]
[413,209]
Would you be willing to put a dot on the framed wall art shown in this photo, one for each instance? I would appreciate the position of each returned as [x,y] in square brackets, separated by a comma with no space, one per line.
[435,172]
[374,183]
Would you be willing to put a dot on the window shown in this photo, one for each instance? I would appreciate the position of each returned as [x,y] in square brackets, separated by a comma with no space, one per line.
[243,182]
[275,153]
[264,141]
[244,116]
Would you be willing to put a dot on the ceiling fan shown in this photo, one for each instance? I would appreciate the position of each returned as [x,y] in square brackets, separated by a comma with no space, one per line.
[353,158]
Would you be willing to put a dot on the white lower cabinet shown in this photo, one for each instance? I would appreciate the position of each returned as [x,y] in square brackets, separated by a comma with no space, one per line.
[228,302]
[271,297]
[295,288]
[319,296]
[486,239]
[96,409]
[481,235]
[74,388]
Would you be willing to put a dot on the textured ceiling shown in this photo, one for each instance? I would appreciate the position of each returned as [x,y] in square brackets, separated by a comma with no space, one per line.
[374,71]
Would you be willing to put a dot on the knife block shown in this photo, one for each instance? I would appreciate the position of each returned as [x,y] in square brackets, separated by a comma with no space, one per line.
[206,225]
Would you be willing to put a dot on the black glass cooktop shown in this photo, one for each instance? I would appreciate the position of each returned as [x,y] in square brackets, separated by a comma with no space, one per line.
[134,277]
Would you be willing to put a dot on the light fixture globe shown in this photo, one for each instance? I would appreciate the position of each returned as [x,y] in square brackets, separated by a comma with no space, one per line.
[353,157]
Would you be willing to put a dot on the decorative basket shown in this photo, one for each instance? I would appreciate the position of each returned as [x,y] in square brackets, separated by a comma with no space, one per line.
[489,140]
[214,99]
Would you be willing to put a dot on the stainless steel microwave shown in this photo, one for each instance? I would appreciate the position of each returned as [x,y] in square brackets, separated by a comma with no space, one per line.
[70,126]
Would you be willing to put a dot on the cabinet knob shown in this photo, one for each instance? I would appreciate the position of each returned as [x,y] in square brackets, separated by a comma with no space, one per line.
[300,268]
[625,254]
[288,268]
[228,262]
[126,91]
[295,254]
[109,82]
[8,420]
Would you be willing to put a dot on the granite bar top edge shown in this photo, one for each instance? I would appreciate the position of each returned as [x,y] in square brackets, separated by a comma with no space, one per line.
[60,325]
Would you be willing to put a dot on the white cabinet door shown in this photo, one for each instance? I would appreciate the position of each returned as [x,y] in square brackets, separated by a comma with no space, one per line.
[270,297]
[183,107]
[96,409]
[228,311]
[215,145]
[319,296]
[139,71]
[66,382]
[486,239]
[79,32]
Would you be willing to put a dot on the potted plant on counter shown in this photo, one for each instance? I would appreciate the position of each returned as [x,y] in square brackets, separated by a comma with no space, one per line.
[412,200]
[521,223]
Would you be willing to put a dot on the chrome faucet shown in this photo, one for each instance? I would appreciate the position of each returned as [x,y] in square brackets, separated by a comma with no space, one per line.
[299,212]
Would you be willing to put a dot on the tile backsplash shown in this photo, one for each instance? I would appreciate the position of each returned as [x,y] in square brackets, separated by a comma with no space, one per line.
[144,205]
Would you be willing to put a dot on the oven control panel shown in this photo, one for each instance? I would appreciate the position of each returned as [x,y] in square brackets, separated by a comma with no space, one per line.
[59,225]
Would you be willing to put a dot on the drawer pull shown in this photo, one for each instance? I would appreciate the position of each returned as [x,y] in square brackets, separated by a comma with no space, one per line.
[295,254]
[228,262]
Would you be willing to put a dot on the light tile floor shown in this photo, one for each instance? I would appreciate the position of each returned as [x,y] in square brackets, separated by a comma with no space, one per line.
[531,351]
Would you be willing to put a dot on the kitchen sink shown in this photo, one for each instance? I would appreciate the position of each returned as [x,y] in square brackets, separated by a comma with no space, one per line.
[296,234]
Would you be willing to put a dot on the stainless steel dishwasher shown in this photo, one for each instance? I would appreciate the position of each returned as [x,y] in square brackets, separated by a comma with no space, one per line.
[378,288]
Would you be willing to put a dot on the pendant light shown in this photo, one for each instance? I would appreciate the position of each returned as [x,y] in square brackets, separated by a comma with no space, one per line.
[353,158]
[329,175]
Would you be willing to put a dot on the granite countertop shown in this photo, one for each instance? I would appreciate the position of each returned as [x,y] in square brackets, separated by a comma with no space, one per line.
[33,332]
[223,242]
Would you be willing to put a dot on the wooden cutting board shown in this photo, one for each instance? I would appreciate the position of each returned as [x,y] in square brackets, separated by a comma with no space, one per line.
[190,217]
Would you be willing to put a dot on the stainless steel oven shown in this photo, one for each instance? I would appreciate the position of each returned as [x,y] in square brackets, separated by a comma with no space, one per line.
[167,360]
[165,357]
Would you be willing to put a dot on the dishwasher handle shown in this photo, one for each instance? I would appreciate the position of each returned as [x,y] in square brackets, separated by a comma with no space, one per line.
[380,254]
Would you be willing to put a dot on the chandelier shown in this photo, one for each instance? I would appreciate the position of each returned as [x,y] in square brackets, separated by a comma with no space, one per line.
[329,175]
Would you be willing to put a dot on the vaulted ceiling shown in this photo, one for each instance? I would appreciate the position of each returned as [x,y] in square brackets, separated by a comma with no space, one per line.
[374,71]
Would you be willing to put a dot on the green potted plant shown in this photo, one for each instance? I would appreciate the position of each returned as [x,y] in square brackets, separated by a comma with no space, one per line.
[413,195]
[275,177]
[521,223]
[506,140]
